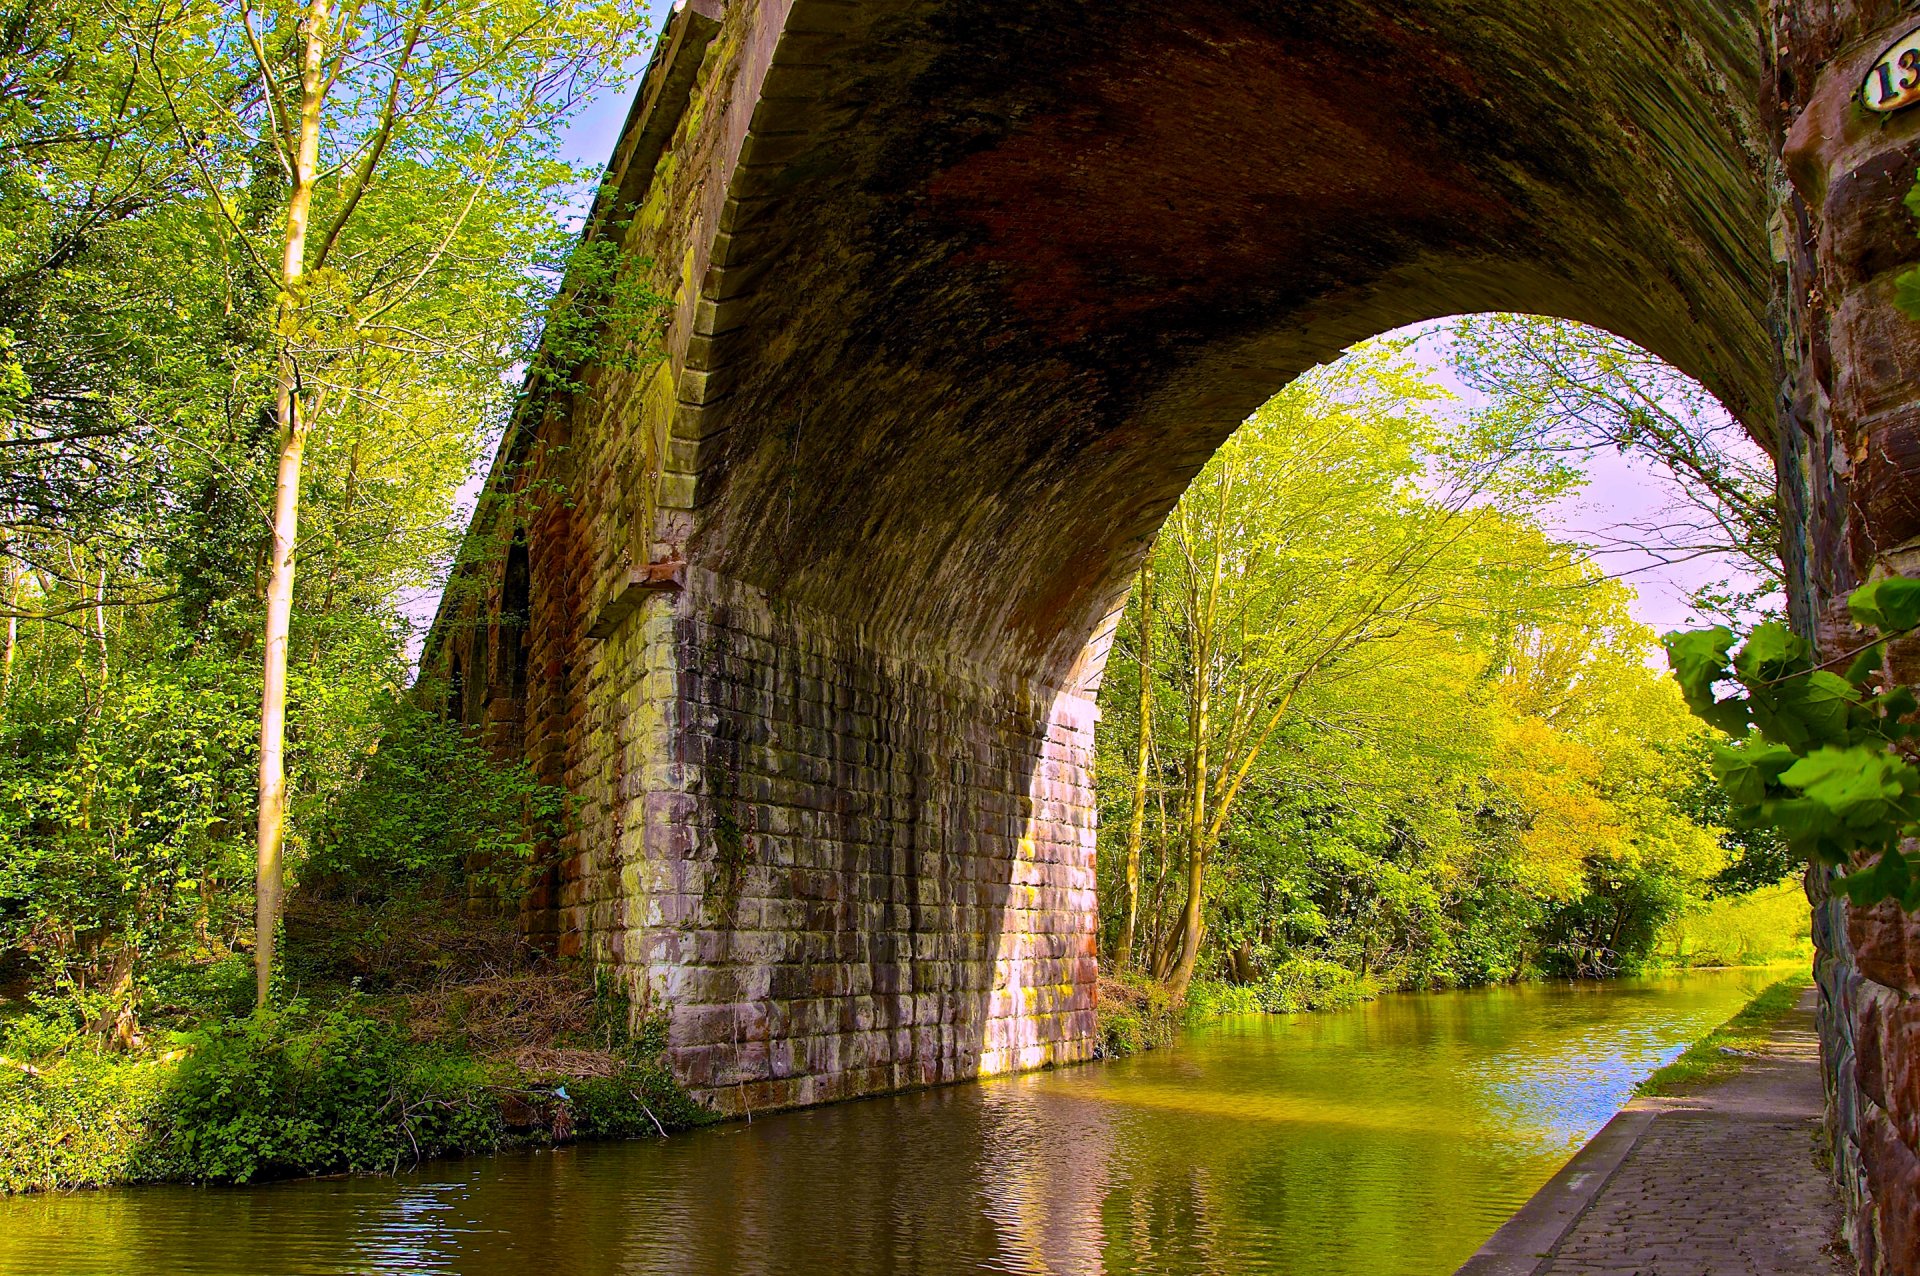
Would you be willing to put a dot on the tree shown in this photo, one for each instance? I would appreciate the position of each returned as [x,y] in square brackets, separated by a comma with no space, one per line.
[1420,733]
[1143,756]
[1574,391]
[1333,523]
[396,129]
[149,160]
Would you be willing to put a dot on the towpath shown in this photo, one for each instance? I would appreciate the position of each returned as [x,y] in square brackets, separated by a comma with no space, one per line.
[1724,1182]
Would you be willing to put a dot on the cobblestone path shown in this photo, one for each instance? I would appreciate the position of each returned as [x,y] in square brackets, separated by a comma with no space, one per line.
[1726,1182]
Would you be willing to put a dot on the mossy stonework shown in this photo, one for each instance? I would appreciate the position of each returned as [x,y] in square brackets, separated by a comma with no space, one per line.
[960,296]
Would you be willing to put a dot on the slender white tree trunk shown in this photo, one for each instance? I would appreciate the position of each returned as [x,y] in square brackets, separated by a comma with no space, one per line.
[270,871]
[9,598]
[1137,824]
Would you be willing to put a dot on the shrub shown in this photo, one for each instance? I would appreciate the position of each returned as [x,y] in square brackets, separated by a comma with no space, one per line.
[1135,1013]
[1306,983]
[277,1094]
[1295,985]
[431,804]
[75,1120]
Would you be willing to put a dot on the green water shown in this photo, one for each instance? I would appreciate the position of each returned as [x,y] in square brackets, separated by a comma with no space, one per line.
[1385,1140]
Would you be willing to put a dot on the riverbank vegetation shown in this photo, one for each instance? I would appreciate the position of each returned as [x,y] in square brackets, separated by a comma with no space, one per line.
[1720,1053]
[1366,715]
[270,276]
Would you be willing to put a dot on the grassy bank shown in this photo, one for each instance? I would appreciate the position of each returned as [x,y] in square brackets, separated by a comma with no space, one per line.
[1137,1013]
[471,1043]
[1718,1055]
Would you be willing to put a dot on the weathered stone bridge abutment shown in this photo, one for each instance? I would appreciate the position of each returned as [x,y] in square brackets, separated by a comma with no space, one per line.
[957,297]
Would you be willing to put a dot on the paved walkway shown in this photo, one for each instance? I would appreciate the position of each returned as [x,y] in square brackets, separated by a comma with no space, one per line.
[1725,1182]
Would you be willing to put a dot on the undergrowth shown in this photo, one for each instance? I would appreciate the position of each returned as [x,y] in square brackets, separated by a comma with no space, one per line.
[1136,1012]
[489,1048]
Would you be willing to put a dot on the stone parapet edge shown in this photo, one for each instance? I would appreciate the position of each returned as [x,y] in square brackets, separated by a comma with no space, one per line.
[1525,1242]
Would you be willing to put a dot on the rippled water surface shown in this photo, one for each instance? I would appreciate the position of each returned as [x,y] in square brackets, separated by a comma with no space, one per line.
[1382,1141]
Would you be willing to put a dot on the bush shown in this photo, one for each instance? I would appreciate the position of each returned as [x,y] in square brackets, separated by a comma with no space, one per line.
[1212,998]
[1306,983]
[277,1094]
[75,1120]
[1295,985]
[302,1091]
[431,804]
[1135,1013]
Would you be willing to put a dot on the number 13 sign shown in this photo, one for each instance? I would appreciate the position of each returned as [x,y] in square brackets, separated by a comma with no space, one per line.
[1893,81]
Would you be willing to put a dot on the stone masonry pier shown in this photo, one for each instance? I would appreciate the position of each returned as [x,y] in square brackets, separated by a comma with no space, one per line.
[804,589]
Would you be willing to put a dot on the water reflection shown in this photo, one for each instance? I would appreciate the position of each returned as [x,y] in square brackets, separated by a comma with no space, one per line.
[1385,1141]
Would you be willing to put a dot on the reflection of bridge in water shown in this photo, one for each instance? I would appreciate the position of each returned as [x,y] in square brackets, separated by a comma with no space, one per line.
[961,295]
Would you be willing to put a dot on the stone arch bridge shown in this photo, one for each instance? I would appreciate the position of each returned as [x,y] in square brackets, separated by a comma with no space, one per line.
[807,604]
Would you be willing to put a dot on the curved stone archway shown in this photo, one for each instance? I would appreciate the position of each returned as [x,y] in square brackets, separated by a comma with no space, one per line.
[995,279]
[960,296]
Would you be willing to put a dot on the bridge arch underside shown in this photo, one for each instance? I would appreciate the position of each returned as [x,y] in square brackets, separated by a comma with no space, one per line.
[1018,269]
[979,289]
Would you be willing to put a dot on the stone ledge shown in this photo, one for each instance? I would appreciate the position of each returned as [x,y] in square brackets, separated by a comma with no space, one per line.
[1527,1239]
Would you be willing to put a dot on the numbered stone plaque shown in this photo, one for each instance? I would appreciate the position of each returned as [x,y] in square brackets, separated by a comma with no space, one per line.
[1893,81]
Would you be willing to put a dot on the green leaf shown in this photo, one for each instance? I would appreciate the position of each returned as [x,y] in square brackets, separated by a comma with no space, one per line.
[1906,292]
[1889,604]
[1823,701]
[1749,769]
[1699,659]
[1890,878]
[1806,824]
[1860,785]
[1772,651]
[1866,664]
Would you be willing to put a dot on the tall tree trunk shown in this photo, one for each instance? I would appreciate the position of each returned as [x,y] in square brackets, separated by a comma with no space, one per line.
[100,628]
[1192,917]
[9,598]
[269,877]
[1137,825]
[1191,913]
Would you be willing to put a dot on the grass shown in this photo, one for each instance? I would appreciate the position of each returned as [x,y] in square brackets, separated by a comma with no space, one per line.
[1721,1053]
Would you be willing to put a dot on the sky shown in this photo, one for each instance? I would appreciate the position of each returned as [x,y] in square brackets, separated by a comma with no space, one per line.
[1619,489]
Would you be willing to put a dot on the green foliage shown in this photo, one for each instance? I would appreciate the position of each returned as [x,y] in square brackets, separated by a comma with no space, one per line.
[1815,754]
[75,1120]
[1453,765]
[1306,983]
[121,819]
[282,1093]
[1757,928]
[641,1101]
[431,804]
[1137,1012]
[299,1090]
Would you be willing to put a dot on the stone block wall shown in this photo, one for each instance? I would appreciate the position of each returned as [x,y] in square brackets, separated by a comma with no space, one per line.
[1850,468]
[840,871]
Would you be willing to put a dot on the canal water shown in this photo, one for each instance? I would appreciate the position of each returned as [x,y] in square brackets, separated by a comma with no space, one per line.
[1389,1140]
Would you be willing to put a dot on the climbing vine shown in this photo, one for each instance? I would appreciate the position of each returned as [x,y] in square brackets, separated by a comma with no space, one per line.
[1820,757]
